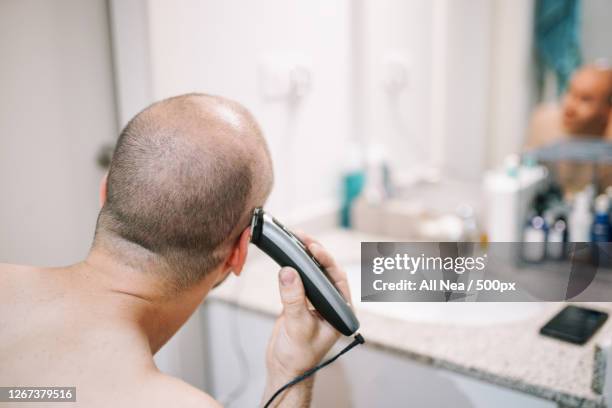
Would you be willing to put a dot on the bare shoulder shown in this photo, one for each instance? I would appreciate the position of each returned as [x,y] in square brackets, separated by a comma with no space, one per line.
[545,125]
[11,270]
[12,277]
[22,284]
[168,391]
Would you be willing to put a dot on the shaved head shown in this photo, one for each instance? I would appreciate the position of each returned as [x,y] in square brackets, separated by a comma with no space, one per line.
[185,176]
[587,104]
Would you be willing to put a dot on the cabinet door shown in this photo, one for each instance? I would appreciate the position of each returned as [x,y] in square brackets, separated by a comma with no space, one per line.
[365,377]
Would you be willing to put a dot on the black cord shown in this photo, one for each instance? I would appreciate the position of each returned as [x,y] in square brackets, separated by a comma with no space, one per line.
[358,340]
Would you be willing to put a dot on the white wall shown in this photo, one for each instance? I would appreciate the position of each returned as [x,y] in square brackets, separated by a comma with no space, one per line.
[396,31]
[216,47]
[56,110]
[129,24]
[596,30]
[512,85]
[466,105]
[440,117]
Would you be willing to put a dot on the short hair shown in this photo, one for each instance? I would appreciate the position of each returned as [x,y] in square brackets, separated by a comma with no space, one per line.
[181,184]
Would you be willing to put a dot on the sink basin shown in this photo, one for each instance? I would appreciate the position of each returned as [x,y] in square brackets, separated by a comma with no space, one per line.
[456,313]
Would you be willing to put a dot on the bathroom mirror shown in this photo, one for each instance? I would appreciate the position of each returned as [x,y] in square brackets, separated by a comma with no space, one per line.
[457,85]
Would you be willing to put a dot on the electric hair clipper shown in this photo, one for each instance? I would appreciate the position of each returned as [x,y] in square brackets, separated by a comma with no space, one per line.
[287,250]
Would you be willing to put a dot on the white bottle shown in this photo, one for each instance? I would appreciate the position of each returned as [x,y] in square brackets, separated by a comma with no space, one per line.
[508,195]
[609,192]
[581,218]
[375,190]
[534,240]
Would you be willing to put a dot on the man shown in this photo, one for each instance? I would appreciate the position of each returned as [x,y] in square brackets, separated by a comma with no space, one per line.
[186,174]
[585,113]
[586,109]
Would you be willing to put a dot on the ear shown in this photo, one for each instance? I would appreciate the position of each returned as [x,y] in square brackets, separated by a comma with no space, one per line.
[238,256]
[103,189]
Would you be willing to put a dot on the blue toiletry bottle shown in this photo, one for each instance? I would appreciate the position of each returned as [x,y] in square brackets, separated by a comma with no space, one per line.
[600,231]
[352,185]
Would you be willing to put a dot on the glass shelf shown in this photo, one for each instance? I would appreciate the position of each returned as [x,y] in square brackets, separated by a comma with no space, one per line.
[585,151]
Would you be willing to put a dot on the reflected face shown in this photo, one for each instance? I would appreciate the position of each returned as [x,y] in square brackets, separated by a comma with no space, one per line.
[586,106]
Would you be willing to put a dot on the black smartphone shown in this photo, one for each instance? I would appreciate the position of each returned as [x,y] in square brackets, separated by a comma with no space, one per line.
[574,324]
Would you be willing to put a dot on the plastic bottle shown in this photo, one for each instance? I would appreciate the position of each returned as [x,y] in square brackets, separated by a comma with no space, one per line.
[600,232]
[377,179]
[534,240]
[609,194]
[352,182]
[590,191]
[512,164]
[470,226]
[601,225]
[557,239]
[580,218]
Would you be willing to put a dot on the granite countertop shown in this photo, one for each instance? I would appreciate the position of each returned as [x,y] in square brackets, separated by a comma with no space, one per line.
[509,354]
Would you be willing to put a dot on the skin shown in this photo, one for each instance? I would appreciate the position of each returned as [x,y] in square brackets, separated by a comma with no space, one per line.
[97,324]
[585,112]
[586,106]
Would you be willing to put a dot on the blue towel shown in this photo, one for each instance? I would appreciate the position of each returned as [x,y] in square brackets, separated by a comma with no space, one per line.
[557,39]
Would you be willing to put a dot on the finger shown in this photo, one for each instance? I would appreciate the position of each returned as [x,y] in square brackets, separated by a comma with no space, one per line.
[295,308]
[305,238]
[345,290]
[335,273]
[323,256]
[316,314]
[328,332]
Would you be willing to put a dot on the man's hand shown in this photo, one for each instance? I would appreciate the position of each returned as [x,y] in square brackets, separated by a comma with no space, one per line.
[300,338]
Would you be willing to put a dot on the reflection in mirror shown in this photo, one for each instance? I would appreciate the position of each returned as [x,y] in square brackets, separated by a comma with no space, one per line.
[574,91]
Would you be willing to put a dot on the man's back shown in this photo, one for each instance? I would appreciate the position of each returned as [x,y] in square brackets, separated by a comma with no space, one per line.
[56,334]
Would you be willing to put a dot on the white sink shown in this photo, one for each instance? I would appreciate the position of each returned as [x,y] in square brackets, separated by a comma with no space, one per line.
[457,313]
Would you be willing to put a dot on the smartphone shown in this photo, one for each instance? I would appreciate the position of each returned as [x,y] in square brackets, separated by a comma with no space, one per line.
[574,324]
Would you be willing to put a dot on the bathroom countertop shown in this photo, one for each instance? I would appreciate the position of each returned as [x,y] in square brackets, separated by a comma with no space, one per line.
[510,354]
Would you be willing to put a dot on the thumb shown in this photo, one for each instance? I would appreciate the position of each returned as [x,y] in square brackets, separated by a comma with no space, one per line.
[293,297]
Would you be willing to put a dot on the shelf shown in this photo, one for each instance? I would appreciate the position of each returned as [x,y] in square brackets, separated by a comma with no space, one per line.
[591,151]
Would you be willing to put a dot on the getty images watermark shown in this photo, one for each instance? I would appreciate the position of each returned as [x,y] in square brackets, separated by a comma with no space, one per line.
[474,272]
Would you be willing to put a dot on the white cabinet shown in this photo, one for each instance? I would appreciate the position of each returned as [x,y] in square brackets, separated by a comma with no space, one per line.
[365,377]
